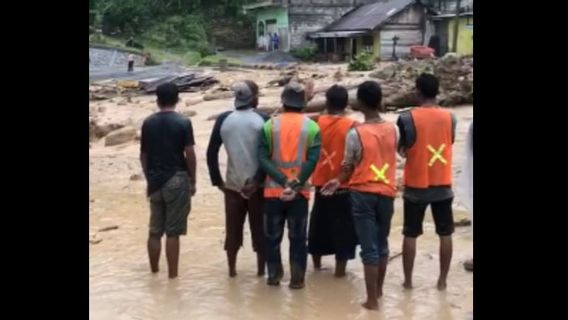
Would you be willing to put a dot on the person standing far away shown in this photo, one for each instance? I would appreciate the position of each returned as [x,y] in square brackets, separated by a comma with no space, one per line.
[331,228]
[130,62]
[427,135]
[464,186]
[239,131]
[168,161]
[288,153]
[275,40]
[370,166]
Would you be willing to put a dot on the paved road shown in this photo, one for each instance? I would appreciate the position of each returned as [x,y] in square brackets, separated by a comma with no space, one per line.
[98,73]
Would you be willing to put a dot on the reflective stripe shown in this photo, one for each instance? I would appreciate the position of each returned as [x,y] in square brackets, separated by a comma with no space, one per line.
[380,174]
[436,154]
[301,145]
[276,138]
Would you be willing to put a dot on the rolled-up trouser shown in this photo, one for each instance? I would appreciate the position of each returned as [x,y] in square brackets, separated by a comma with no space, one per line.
[236,208]
[372,214]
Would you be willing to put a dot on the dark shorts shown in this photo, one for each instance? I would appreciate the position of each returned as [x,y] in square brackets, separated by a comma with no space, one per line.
[331,229]
[170,206]
[372,214]
[414,217]
[236,208]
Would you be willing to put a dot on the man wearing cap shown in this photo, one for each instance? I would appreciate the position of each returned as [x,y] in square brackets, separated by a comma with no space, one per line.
[288,152]
[239,131]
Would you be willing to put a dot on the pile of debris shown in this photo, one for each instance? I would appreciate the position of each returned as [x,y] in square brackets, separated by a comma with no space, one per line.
[454,72]
[186,82]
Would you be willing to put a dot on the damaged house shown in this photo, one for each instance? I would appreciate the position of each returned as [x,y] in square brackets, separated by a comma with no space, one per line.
[384,27]
[293,20]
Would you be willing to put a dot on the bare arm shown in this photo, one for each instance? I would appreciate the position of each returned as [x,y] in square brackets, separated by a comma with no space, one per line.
[191,166]
[144,163]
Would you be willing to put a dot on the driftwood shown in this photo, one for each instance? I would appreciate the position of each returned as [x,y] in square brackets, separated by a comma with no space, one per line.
[394,256]
[216,95]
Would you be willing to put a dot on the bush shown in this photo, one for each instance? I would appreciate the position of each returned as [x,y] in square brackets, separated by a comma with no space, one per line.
[304,53]
[179,32]
[362,62]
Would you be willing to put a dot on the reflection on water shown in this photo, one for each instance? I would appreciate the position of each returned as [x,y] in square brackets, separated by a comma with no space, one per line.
[121,286]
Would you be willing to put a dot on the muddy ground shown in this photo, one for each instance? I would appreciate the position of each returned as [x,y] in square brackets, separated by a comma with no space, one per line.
[121,286]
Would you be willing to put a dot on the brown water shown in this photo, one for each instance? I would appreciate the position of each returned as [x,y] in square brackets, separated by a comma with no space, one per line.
[121,286]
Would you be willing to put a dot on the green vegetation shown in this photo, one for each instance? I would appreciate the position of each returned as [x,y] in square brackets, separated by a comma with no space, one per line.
[183,30]
[307,53]
[362,62]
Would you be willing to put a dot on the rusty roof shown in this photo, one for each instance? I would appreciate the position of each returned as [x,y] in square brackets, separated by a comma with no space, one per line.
[369,16]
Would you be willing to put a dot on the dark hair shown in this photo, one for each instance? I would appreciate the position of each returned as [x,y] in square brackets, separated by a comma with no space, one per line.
[167,95]
[427,85]
[253,87]
[370,94]
[336,97]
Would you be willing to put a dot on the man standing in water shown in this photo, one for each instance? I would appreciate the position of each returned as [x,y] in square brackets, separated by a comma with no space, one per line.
[465,183]
[427,135]
[239,130]
[331,223]
[370,166]
[168,161]
[288,152]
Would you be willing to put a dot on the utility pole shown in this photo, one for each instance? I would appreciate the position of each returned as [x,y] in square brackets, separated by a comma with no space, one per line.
[456,27]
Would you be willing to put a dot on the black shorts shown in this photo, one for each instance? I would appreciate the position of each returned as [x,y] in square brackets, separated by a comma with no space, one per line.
[414,217]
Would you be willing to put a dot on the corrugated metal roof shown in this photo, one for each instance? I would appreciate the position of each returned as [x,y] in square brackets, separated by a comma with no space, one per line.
[369,16]
[336,34]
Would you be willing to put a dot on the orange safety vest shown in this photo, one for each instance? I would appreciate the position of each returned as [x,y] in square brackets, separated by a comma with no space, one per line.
[429,160]
[333,130]
[375,173]
[289,148]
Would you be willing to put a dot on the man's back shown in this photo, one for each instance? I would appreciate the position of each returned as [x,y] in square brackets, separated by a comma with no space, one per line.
[164,137]
[239,131]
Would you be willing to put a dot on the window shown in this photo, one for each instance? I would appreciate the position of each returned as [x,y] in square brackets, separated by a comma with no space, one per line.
[261,29]
[368,41]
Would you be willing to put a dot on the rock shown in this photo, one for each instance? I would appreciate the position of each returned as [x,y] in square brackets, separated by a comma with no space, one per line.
[108,228]
[468,265]
[136,177]
[189,113]
[463,223]
[120,136]
[121,103]
[101,109]
[97,131]
[95,241]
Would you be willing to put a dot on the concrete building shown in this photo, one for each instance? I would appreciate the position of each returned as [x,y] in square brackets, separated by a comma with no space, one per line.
[384,27]
[293,20]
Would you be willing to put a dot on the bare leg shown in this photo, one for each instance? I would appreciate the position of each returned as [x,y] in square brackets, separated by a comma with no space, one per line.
[172,253]
[232,261]
[154,248]
[381,277]
[317,261]
[445,260]
[408,255]
[340,266]
[371,275]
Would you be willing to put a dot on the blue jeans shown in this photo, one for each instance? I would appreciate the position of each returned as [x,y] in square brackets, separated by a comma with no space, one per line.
[276,212]
[372,215]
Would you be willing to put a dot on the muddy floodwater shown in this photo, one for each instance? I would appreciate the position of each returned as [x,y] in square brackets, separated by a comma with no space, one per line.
[122,288]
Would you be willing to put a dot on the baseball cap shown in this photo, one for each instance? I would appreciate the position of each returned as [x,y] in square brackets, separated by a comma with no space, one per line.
[294,95]
[243,94]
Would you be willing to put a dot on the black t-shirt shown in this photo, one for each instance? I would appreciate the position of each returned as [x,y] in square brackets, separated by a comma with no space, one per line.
[164,137]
